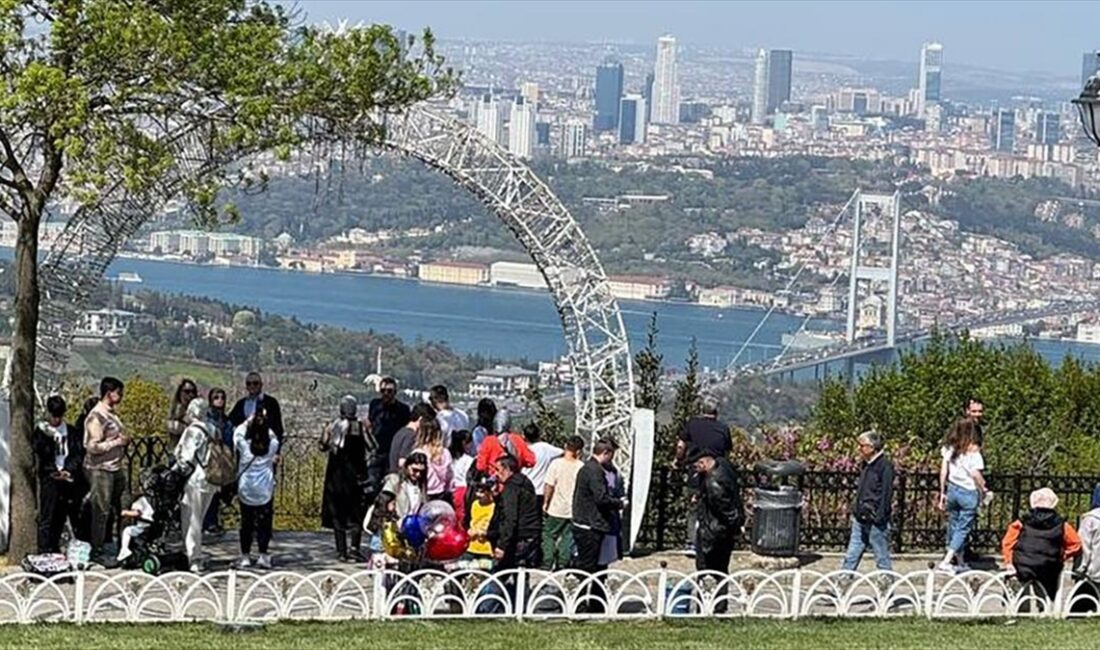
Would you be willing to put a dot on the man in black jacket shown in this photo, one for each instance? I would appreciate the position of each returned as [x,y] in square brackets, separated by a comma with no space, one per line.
[871,511]
[59,456]
[718,511]
[515,530]
[257,398]
[594,508]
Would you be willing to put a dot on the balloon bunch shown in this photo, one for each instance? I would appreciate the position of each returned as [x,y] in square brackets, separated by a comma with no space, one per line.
[432,530]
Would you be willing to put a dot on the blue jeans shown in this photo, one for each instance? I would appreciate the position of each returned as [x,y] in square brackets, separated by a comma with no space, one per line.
[864,535]
[962,513]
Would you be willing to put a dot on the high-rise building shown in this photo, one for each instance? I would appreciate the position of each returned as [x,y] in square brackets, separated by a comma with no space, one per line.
[1004,130]
[760,88]
[530,92]
[771,84]
[609,90]
[521,130]
[647,94]
[1090,65]
[632,124]
[1049,128]
[779,78]
[666,84]
[542,134]
[489,120]
[819,119]
[931,65]
[573,141]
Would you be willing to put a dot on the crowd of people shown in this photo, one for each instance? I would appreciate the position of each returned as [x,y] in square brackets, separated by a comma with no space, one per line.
[522,501]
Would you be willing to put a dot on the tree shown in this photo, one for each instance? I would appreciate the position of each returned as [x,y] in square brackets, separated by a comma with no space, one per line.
[648,368]
[94,94]
[549,421]
[144,408]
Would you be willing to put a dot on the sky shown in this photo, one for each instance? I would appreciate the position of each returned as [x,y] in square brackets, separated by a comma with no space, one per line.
[1044,36]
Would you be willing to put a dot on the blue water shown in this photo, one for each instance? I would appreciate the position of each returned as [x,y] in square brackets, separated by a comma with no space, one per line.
[503,323]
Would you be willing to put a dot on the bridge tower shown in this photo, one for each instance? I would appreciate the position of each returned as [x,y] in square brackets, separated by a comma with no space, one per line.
[888,207]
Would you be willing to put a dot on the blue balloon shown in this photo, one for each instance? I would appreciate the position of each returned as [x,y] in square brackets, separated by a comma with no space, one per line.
[412,530]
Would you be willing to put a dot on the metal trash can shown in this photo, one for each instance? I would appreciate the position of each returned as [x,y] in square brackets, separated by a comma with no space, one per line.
[777,509]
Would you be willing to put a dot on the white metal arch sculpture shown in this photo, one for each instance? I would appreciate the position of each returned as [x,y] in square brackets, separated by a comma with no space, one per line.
[597,341]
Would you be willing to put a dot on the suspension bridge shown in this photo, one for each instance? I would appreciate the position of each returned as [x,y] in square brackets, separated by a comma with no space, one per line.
[872,274]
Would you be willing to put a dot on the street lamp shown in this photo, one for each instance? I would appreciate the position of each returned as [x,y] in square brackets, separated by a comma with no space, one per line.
[1088,108]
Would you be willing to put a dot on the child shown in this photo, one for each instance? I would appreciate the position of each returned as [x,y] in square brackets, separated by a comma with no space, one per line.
[1037,545]
[141,511]
[481,513]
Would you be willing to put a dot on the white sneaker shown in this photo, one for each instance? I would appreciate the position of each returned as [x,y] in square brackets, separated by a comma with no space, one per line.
[196,567]
[946,567]
[244,562]
[264,561]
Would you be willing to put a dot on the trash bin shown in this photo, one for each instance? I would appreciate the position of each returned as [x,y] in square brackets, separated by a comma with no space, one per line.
[777,509]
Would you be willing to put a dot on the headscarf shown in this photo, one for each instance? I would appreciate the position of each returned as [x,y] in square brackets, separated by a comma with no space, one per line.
[196,416]
[342,427]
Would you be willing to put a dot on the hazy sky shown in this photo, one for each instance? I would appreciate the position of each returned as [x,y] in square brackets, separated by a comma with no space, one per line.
[1033,36]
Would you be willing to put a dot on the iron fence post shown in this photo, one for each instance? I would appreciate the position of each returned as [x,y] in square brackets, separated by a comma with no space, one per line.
[662,507]
[899,532]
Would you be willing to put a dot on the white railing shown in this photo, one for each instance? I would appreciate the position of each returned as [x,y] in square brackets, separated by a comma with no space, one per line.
[233,596]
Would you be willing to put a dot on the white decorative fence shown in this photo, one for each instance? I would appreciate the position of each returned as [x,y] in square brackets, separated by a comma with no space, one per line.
[234,596]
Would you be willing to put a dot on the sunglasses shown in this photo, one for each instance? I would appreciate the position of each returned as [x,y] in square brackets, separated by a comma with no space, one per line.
[253,383]
[389,390]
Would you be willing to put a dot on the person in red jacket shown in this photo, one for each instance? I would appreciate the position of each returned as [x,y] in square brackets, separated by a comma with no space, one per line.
[502,442]
[1037,546]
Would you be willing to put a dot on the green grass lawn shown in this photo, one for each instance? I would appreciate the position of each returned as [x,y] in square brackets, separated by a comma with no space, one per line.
[486,635]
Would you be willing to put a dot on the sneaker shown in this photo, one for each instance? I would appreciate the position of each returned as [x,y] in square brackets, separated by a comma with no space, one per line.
[196,567]
[264,561]
[946,567]
[689,550]
[963,568]
[244,562]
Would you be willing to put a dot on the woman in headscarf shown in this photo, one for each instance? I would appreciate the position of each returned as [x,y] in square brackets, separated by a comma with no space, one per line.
[192,455]
[217,417]
[177,412]
[349,445]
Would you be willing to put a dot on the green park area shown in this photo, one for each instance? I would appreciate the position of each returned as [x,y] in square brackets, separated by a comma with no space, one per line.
[487,635]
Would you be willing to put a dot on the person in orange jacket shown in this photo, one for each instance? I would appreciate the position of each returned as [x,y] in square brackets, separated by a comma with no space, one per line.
[503,442]
[1037,546]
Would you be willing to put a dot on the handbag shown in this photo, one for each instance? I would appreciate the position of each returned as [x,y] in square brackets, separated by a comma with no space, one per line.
[221,465]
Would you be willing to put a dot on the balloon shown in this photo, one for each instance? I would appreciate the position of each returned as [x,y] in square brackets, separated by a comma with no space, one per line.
[435,513]
[392,543]
[447,545]
[413,531]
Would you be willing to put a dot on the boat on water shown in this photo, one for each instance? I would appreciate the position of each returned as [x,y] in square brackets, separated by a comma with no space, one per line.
[127,276]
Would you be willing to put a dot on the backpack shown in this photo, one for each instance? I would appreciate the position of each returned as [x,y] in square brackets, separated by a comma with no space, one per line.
[221,465]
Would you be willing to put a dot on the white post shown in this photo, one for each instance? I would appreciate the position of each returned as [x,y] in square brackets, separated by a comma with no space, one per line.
[853,278]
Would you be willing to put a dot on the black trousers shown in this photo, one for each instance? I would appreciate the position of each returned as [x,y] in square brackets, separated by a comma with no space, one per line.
[588,544]
[58,502]
[256,521]
[715,558]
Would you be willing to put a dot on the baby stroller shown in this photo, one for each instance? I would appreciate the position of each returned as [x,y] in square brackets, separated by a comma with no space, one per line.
[151,550]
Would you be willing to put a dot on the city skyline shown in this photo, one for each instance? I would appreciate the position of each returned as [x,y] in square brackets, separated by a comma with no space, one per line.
[1045,36]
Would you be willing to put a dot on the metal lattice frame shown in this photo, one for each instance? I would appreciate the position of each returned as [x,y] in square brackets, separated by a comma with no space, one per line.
[597,341]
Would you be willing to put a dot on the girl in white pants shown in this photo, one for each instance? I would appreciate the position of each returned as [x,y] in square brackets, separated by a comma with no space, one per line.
[193,451]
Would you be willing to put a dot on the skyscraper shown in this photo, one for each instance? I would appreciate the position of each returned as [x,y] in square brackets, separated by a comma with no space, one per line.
[666,84]
[489,120]
[1004,130]
[931,63]
[1090,65]
[542,134]
[573,142]
[760,88]
[779,78]
[521,130]
[530,92]
[647,94]
[819,119]
[632,123]
[1049,128]
[609,90]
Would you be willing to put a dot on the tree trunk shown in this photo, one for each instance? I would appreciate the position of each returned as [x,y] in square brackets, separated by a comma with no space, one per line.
[24,334]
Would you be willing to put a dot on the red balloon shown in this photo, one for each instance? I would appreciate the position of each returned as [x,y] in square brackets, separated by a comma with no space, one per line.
[447,545]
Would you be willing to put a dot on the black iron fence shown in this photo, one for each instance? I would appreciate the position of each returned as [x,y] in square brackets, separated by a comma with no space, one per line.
[917,523]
